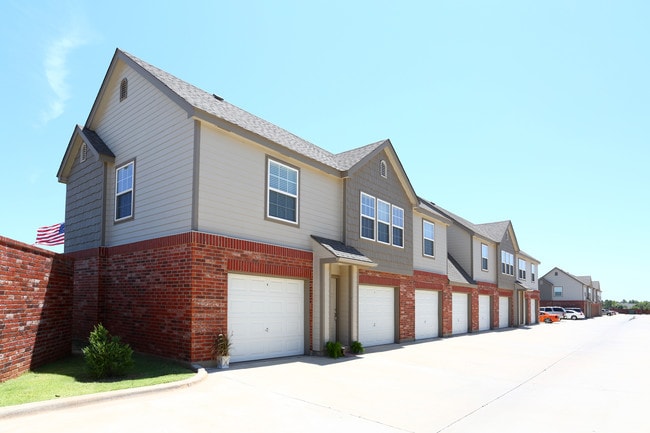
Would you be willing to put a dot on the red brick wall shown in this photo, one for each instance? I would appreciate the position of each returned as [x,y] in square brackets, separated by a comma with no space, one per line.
[168,296]
[35,307]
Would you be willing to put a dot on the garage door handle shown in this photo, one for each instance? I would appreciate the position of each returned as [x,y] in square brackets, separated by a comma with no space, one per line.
[266,330]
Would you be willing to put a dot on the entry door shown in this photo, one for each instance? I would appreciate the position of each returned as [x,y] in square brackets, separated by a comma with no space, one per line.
[459,313]
[426,314]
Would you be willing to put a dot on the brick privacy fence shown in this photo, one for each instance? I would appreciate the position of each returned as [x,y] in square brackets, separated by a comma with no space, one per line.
[35,307]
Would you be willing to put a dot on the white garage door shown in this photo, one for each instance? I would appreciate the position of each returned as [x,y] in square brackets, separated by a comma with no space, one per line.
[504,312]
[534,317]
[483,312]
[376,315]
[459,313]
[265,317]
[426,314]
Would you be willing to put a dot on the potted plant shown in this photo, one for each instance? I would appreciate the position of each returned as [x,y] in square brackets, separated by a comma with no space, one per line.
[221,350]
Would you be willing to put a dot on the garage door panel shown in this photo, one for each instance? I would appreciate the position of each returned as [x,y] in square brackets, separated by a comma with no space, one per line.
[376,315]
[265,317]
[504,312]
[459,314]
[483,312]
[426,314]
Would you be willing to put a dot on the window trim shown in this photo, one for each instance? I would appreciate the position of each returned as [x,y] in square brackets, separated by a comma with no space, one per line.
[395,226]
[268,215]
[507,263]
[131,189]
[385,223]
[485,256]
[373,218]
[561,292]
[533,271]
[521,273]
[432,239]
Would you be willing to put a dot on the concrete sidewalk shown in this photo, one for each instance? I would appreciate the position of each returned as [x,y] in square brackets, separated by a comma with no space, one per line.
[583,376]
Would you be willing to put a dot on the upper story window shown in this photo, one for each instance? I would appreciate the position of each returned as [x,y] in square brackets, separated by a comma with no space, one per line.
[557,291]
[484,257]
[388,220]
[507,263]
[533,271]
[398,226]
[383,169]
[124,177]
[428,239]
[83,153]
[124,89]
[383,222]
[282,194]
[521,269]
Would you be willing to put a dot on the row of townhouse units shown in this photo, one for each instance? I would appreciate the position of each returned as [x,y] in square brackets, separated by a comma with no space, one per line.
[188,217]
[561,288]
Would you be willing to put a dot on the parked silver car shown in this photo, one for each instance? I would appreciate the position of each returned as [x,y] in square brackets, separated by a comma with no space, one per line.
[559,311]
[574,315]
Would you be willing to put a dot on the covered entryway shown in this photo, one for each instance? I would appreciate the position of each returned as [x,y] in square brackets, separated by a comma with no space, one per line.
[460,313]
[265,317]
[426,314]
[376,315]
[504,312]
[483,312]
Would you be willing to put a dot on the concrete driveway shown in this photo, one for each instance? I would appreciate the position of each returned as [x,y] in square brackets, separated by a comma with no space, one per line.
[581,376]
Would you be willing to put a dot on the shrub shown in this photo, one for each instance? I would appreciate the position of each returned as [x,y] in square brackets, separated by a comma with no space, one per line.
[334,349]
[106,355]
[356,347]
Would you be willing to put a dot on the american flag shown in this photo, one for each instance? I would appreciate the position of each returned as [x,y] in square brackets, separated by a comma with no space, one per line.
[50,235]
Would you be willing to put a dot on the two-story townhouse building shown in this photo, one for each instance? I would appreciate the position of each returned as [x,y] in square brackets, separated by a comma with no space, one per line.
[501,278]
[561,288]
[188,217]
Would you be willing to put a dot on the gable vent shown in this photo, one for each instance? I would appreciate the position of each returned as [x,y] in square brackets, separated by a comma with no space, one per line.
[383,168]
[124,89]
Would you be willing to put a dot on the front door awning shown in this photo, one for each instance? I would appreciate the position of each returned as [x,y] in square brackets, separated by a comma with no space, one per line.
[342,253]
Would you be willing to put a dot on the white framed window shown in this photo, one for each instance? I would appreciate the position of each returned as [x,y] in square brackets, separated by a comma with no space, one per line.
[124,181]
[521,269]
[282,194]
[557,291]
[367,216]
[533,271]
[398,226]
[507,263]
[428,239]
[383,222]
[484,257]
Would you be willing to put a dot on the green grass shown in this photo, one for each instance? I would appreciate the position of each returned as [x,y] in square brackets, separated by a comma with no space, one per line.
[68,377]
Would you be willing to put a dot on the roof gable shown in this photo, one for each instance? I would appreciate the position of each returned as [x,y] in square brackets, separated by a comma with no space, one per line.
[79,137]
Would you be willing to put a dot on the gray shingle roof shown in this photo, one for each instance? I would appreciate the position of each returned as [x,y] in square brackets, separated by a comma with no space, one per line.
[340,250]
[455,272]
[211,104]
[97,143]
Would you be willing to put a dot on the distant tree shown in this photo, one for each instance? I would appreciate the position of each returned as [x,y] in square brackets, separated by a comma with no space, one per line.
[643,305]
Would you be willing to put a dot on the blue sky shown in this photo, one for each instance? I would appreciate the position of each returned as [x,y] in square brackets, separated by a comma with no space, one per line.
[536,112]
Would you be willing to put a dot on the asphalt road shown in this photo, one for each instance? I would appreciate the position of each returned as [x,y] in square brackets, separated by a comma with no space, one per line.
[575,376]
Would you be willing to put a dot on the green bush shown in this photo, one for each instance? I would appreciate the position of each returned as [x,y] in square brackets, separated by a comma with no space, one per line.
[106,355]
[356,347]
[334,349]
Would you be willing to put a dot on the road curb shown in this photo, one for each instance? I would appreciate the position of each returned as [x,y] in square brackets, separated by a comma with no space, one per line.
[43,406]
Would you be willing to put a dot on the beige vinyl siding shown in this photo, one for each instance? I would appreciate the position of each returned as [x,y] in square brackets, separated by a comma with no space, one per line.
[438,263]
[489,276]
[572,289]
[158,134]
[458,244]
[232,194]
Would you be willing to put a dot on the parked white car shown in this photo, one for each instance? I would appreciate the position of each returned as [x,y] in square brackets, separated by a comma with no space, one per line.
[573,314]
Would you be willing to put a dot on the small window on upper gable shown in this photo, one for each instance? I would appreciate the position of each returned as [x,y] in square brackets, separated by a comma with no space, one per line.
[83,153]
[383,169]
[124,89]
